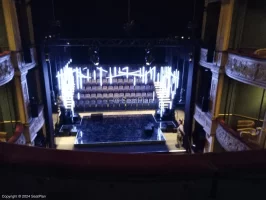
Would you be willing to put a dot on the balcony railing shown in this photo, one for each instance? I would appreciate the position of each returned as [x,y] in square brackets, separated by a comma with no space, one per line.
[6,68]
[232,140]
[18,136]
[247,67]
[141,176]
[36,124]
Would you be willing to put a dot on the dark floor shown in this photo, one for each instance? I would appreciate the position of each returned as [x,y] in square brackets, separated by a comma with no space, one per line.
[115,129]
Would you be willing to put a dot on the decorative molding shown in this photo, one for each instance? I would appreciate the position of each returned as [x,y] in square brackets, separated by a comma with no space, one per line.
[217,66]
[19,63]
[21,140]
[220,58]
[228,141]
[247,70]
[203,54]
[36,124]
[6,69]
[213,92]
[203,119]
[203,59]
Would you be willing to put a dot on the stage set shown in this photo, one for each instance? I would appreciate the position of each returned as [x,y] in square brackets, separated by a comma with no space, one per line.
[93,91]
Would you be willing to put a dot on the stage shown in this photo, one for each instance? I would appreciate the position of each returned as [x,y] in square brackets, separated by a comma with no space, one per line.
[119,130]
[108,142]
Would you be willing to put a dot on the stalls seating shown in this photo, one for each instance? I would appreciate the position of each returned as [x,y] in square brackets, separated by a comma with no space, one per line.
[261,52]
[245,124]
[252,135]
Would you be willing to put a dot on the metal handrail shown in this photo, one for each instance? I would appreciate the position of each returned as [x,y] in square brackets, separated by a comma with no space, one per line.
[8,122]
[243,116]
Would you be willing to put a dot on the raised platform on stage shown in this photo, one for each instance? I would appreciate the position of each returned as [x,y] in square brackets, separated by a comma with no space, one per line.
[118,130]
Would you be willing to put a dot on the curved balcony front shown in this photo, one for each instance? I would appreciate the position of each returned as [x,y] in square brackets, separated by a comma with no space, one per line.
[232,139]
[248,68]
[6,68]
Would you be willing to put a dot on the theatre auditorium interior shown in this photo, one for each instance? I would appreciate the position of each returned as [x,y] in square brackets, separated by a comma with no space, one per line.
[133,111]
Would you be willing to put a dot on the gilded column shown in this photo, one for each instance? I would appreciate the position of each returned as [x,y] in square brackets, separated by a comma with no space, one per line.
[217,68]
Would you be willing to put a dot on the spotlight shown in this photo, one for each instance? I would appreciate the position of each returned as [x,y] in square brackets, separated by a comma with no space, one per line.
[94,55]
[182,37]
[149,57]
[190,57]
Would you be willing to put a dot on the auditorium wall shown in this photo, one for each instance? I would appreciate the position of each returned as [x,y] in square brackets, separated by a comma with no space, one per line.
[243,99]
[248,24]
[3,34]
[255,25]
[7,110]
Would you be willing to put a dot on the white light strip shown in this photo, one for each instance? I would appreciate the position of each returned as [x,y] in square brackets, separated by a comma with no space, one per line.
[166,82]
[110,75]
[114,71]
[88,75]
[101,76]
[77,79]
[80,78]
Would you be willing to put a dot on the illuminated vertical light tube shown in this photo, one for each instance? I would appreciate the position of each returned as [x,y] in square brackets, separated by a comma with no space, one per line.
[80,78]
[119,70]
[161,75]
[77,79]
[143,74]
[158,77]
[58,80]
[161,108]
[101,76]
[153,96]
[170,105]
[94,74]
[114,71]
[78,96]
[127,72]
[154,73]
[146,77]
[134,81]
[169,81]
[177,80]
[150,73]
[110,75]
[88,75]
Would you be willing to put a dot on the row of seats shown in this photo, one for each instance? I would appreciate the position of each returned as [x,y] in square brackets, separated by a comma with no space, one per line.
[117,101]
[84,92]
[119,87]
[115,80]
[82,106]
[112,95]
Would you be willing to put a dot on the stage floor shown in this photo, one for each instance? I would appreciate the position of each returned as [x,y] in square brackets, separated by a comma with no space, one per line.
[67,142]
[118,130]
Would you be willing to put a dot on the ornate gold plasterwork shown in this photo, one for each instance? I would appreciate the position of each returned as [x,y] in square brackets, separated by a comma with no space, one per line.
[247,70]
[228,141]
[6,69]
